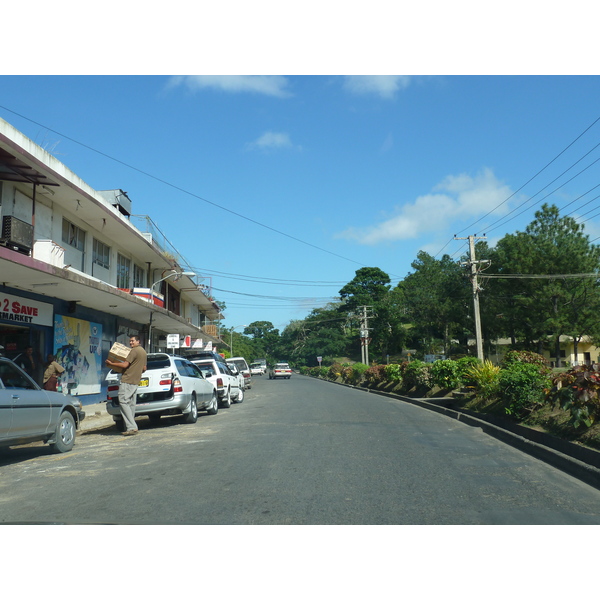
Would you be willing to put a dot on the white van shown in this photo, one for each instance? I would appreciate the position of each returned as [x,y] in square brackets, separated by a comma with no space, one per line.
[243,368]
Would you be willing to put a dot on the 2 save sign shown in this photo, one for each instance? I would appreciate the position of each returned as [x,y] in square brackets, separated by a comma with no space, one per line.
[25,311]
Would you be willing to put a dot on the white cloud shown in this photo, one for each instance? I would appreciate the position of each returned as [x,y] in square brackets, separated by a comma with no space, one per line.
[388,144]
[272,140]
[384,86]
[459,197]
[270,85]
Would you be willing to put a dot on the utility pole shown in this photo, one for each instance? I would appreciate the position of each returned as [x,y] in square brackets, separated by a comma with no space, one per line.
[365,340]
[474,267]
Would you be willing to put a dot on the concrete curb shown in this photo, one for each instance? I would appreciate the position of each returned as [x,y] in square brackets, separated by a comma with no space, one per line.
[578,461]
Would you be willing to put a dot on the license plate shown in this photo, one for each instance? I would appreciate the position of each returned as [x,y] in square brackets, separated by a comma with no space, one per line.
[144,382]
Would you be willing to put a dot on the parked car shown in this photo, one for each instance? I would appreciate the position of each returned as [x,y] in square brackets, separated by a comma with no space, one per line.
[240,377]
[280,371]
[242,365]
[29,414]
[170,385]
[225,383]
[257,369]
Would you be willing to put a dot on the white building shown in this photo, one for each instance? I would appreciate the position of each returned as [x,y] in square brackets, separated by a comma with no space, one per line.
[77,271]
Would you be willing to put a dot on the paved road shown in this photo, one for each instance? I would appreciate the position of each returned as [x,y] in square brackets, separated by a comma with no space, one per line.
[298,451]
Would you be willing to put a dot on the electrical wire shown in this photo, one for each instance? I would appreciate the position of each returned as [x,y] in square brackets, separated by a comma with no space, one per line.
[175,187]
[532,178]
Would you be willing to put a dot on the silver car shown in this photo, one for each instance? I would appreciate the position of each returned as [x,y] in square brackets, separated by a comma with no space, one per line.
[170,385]
[30,414]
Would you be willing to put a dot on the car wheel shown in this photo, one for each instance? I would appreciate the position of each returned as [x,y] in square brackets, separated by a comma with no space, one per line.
[226,402]
[65,433]
[214,406]
[192,416]
[240,397]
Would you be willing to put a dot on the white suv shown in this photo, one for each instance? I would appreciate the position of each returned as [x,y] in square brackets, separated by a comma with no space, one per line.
[242,365]
[224,381]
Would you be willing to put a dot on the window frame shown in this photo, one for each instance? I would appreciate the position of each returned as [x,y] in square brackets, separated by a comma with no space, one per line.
[101,259]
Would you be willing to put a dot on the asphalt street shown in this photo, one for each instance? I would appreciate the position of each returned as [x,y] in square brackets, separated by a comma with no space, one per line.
[298,451]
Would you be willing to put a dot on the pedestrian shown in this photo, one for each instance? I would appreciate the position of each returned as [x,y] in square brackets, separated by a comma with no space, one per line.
[26,362]
[51,374]
[132,367]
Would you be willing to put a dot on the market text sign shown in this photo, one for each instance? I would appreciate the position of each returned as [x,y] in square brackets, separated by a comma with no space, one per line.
[23,310]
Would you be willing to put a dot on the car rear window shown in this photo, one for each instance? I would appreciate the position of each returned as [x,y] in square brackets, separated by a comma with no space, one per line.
[158,362]
[206,368]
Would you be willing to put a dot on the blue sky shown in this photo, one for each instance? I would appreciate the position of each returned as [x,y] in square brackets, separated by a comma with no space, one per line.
[278,188]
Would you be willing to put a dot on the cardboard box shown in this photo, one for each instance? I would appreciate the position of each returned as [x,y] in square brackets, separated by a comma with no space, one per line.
[118,353]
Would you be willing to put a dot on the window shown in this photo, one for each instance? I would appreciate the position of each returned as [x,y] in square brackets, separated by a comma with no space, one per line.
[101,254]
[123,272]
[139,279]
[73,235]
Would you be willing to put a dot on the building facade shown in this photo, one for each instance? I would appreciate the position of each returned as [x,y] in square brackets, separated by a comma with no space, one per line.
[79,271]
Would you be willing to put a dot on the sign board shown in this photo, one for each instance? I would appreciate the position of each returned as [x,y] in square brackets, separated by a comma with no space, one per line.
[23,311]
[319,359]
[173,340]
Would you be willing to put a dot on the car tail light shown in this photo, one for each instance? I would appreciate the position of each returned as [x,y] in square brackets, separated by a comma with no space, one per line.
[110,391]
[219,382]
[165,381]
[177,387]
[246,375]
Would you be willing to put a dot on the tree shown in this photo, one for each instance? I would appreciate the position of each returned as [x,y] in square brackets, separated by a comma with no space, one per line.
[265,338]
[436,297]
[539,308]
[369,286]
[323,333]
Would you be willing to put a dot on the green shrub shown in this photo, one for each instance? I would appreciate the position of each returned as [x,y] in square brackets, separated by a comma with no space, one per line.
[524,356]
[357,372]
[323,372]
[578,392]
[485,376]
[446,374]
[522,387]
[375,374]
[334,371]
[393,373]
[417,374]
[464,365]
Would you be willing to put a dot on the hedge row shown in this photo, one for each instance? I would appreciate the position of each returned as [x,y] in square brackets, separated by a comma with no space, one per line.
[520,384]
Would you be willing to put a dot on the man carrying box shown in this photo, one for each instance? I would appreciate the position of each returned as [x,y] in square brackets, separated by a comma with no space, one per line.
[132,367]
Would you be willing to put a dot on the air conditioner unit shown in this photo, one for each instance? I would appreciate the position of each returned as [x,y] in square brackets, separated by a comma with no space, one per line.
[17,234]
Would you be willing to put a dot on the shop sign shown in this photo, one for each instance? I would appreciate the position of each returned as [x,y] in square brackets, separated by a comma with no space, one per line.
[24,311]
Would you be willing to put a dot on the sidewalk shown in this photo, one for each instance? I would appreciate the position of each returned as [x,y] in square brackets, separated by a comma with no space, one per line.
[96,417]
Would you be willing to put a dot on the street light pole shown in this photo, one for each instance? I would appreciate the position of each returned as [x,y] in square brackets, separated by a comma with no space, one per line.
[175,274]
[231,337]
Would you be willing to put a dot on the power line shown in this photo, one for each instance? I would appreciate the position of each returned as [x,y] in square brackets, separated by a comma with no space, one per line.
[167,183]
[499,222]
[532,178]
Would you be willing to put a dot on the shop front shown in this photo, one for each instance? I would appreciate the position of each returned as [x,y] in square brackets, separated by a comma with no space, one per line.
[25,322]
[80,340]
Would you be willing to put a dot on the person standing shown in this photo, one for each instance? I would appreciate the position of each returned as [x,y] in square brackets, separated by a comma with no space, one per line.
[132,367]
[51,374]
[26,362]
